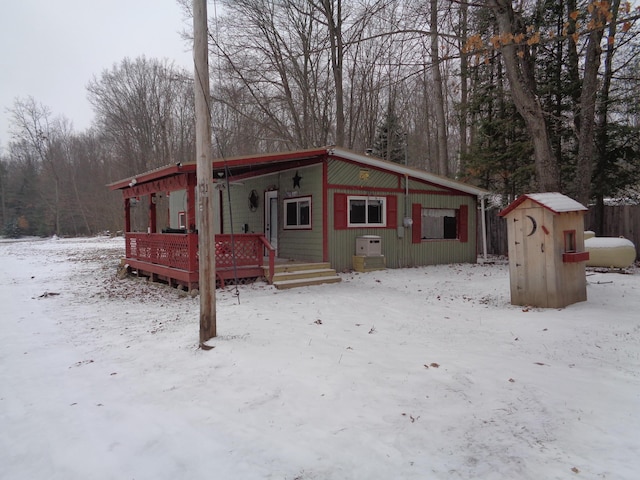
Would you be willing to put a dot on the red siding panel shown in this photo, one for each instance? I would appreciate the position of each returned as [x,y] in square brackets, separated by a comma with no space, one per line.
[463,223]
[339,211]
[392,211]
[416,228]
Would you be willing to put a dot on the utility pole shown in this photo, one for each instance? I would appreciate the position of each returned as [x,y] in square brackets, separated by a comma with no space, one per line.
[204,175]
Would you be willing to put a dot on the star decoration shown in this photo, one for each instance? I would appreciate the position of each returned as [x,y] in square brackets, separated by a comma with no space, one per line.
[296,180]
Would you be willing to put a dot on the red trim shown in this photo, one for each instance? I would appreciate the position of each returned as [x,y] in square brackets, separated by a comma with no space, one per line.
[191,204]
[340,214]
[392,211]
[416,191]
[325,212]
[169,184]
[276,157]
[575,257]
[253,160]
[416,228]
[152,222]
[463,223]
[127,215]
[524,197]
[360,188]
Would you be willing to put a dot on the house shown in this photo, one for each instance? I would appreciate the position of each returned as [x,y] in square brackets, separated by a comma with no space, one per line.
[546,250]
[305,206]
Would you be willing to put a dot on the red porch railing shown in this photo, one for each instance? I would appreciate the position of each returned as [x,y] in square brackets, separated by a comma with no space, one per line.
[244,254]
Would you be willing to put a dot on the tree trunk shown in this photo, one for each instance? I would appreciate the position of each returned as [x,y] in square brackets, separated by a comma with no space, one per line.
[522,83]
[464,87]
[333,15]
[586,144]
[443,150]
[602,123]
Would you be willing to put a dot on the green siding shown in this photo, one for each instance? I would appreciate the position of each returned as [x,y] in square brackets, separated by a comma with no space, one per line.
[397,244]
[241,212]
[306,245]
[301,244]
[343,173]
[177,203]
[295,244]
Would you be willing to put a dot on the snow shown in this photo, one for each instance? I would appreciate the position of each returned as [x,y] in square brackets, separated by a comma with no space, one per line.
[608,242]
[423,373]
[556,202]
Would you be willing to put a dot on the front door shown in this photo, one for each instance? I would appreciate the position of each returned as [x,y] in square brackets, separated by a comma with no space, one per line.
[271,218]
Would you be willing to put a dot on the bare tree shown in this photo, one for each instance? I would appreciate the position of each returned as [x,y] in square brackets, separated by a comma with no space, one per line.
[144,107]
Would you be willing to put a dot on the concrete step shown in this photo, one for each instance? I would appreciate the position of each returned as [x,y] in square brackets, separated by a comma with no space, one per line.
[305,282]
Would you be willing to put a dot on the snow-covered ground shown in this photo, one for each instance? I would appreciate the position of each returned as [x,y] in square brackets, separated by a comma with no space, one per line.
[425,373]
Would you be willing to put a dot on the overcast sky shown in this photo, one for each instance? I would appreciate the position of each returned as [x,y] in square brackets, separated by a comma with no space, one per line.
[50,49]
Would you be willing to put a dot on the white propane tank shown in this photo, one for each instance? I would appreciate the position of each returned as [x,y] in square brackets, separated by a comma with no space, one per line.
[609,252]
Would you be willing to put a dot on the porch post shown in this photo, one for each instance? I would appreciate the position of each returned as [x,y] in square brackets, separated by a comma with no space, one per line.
[127,215]
[152,213]
[191,203]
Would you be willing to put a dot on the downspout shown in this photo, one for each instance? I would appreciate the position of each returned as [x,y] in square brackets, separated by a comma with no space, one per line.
[484,227]
[406,196]
[407,213]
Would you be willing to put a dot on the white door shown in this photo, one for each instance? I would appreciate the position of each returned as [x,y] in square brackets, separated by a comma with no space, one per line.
[271,218]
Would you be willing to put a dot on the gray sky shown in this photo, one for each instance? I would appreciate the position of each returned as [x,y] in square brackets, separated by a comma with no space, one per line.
[50,49]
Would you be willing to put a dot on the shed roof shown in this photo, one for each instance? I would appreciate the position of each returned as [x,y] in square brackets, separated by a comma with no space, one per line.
[553,201]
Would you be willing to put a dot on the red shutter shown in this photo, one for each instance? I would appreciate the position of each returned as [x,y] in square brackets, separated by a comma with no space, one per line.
[416,216]
[463,223]
[339,211]
[392,211]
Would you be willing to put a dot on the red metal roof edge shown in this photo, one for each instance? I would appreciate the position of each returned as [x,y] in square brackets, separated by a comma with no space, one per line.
[521,199]
[231,162]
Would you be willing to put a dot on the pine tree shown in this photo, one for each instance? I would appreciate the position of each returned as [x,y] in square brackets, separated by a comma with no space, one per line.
[389,143]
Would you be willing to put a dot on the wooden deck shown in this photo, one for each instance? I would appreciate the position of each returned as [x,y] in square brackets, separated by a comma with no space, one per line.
[173,257]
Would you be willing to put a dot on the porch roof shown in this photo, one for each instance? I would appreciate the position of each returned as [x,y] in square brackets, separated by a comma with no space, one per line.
[246,166]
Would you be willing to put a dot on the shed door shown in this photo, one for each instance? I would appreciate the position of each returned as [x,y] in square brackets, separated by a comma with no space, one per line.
[530,256]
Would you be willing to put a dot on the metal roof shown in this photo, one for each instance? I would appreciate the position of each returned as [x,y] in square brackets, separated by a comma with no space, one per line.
[246,166]
[553,201]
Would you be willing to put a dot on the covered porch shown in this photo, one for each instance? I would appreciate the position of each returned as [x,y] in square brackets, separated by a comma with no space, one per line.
[173,257]
[163,245]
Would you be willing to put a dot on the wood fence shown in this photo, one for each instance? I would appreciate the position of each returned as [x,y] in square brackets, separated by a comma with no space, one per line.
[619,221]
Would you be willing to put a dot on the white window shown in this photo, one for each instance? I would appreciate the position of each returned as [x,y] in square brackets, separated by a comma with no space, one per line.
[297,213]
[367,211]
[439,223]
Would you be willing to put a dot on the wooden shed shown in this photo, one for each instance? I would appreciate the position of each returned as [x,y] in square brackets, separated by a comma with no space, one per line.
[546,250]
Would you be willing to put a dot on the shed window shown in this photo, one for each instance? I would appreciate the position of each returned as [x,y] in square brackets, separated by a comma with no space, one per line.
[297,213]
[439,223]
[569,241]
[367,211]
